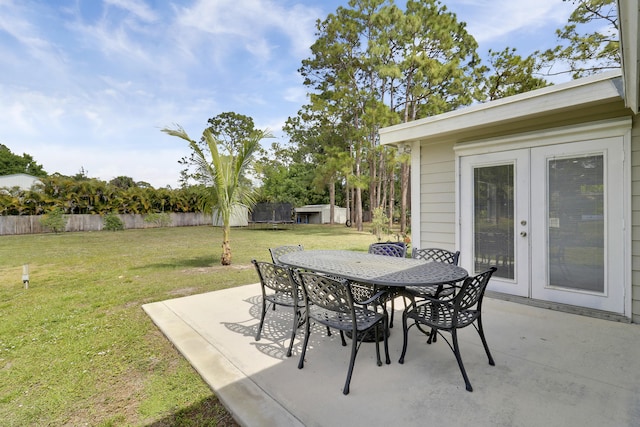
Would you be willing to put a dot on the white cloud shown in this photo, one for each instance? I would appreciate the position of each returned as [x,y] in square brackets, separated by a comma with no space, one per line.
[90,84]
[138,8]
[296,95]
[255,22]
[493,19]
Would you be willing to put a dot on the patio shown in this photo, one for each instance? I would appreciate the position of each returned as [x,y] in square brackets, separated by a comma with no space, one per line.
[552,368]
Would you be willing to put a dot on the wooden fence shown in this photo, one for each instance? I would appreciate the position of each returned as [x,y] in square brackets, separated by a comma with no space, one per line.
[30,224]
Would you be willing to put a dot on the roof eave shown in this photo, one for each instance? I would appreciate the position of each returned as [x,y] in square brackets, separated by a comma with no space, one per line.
[594,90]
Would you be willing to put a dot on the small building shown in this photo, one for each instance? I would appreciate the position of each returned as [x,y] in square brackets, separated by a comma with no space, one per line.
[21,180]
[320,214]
[544,185]
[239,217]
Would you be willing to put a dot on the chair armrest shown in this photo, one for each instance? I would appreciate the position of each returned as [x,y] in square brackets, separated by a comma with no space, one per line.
[373,299]
[434,301]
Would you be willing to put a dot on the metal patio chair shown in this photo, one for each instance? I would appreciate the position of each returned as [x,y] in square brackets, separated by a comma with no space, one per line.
[277,252]
[279,288]
[399,250]
[329,302]
[434,255]
[449,315]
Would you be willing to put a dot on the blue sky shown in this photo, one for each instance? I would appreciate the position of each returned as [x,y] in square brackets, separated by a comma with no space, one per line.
[90,83]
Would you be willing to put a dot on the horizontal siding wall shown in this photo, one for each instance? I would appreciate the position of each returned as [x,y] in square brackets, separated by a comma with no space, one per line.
[30,224]
[635,212]
[437,196]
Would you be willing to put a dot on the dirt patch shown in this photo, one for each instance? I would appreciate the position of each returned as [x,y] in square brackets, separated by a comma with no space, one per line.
[216,268]
[183,292]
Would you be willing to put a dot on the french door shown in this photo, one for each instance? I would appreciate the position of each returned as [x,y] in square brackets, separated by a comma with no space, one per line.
[551,219]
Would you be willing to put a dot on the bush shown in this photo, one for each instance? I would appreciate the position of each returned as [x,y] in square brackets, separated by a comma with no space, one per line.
[159,219]
[112,222]
[54,220]
[379,223]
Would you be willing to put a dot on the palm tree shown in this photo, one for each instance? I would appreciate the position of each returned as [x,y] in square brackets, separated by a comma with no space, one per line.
[221,176]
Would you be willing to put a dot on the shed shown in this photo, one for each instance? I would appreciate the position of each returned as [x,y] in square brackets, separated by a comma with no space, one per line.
[544,185]
[320,214]
[239,217]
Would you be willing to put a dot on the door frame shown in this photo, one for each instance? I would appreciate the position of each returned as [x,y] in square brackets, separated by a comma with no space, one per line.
[562,135]
[612,297]
[520,284]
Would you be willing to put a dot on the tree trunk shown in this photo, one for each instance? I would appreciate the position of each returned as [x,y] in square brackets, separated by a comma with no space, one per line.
[332,201]
[358,203]
[226,244]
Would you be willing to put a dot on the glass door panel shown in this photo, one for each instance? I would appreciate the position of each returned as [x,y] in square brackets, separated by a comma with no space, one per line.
[576,223]
[493,219]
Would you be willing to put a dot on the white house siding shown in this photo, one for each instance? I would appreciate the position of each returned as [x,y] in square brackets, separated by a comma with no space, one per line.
[437,196]
[635,212]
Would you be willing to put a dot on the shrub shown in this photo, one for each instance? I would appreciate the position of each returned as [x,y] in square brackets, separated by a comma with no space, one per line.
[159,219]
[54,220]
[379,223]
[112,222]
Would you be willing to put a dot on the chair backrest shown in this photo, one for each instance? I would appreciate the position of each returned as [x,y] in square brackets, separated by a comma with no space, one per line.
[473,289]
[389,249]
[275,277]
[436,255]
[277,252]
[326,292]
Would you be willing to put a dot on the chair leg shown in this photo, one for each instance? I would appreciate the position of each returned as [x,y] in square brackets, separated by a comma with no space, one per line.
[264,312]
[433,336]
[456,352]
[393,309]
[375,337]
[484,341]
[344,342]
[354,351]
[405,334]
[307,332]
[385,337]
[296,324]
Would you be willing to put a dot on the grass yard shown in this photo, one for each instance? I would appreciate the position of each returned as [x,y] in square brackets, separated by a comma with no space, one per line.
[77,349]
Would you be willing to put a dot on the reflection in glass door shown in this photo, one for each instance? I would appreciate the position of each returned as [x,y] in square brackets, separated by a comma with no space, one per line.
[493,203]
[575,218]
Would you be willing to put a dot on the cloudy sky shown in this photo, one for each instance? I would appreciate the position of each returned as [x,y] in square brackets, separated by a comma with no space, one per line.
[88,84]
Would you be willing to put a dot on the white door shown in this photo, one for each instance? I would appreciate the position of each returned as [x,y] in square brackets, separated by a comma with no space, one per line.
[494,209]
[578,218]
[551,219]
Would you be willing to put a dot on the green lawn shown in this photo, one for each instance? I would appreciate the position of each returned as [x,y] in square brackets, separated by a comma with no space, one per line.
[77,349]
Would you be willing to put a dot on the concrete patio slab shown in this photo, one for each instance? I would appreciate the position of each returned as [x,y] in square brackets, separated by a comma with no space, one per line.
[552,368]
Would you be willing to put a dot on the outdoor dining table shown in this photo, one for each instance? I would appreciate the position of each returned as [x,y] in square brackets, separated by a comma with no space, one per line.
[375,269]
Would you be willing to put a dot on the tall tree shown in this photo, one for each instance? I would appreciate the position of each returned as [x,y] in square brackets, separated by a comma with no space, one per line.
[374,64]
[510,74]
[591,51]
[221,163]
[436,69]
[12,163]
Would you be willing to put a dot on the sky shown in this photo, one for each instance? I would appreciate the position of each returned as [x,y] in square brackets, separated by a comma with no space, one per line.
[86,85]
